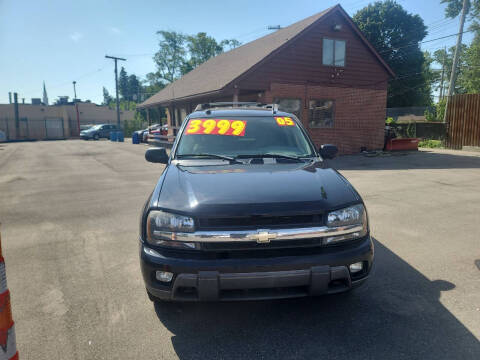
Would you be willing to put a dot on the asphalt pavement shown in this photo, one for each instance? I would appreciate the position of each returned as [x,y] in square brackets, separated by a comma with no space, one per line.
[70,214]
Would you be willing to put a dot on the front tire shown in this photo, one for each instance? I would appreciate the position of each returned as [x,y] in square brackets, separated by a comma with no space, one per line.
[95,137]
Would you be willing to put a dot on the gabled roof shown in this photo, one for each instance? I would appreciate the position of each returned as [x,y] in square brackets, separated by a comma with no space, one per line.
[219,71]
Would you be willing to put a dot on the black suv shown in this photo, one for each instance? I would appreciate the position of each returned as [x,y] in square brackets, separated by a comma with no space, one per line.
[247,208]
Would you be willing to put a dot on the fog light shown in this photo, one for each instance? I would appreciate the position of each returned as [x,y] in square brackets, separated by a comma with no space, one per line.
[164,276]
[356,267]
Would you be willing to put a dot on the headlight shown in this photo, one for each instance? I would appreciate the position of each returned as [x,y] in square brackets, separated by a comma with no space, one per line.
[349,216]
[352,220]
[163,226]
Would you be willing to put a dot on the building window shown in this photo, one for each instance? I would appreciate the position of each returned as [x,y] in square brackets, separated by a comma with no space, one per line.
[321,113]
[333,52]
[293,106]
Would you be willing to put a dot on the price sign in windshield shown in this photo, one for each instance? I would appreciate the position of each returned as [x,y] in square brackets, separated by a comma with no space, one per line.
[216,127]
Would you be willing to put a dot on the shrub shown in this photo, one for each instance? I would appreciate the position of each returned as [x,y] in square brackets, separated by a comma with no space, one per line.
[390,121]
[430,144]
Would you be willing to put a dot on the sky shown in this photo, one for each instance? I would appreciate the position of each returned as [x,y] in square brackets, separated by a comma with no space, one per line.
[60,41]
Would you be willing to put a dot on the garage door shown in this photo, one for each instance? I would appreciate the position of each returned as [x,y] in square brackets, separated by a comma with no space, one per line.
[54,128]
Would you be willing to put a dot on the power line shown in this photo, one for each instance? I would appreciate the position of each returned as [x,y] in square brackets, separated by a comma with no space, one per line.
[424,42]
[55,86]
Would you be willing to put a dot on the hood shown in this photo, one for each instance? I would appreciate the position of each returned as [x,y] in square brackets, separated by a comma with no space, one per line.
[263,189]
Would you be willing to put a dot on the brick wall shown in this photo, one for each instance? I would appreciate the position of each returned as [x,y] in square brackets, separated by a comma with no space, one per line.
[359,117]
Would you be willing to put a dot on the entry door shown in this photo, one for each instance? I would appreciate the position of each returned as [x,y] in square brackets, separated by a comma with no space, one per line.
[54,128]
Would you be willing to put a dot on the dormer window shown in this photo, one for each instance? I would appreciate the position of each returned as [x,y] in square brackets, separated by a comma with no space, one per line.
[333,52]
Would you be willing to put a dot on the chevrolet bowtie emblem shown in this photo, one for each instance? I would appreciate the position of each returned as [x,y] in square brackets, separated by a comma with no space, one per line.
[264,237]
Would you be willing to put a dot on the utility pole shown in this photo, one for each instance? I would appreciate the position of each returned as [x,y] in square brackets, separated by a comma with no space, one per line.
[76,105]
[74,90]
[17,117]
[453,76]
[443,72]
[116,85]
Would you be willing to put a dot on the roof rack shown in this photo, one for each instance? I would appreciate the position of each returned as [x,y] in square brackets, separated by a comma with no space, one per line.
[206,106]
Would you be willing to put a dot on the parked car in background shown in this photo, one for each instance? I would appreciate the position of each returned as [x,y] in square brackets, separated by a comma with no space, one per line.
[86,127]
[140,134]
[98,131]
[143,134]
[155,135]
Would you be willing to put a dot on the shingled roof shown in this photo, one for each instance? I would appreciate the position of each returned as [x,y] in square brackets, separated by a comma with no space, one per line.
[219,71]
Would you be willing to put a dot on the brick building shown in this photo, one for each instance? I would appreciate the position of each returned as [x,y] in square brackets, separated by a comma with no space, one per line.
[321,68]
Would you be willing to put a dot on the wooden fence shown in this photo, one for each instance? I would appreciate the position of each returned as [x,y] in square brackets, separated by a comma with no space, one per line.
[463,121]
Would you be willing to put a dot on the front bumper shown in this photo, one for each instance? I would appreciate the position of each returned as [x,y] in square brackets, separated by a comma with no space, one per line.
[256,278]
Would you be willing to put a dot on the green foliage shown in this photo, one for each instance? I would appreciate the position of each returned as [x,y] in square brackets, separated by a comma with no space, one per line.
[134,88]
[390,121]
[395,34]
[229,44]
[411,130]
[179,54]
[430,115]
[454,8]
[430,144]
[440,109]
[469,79]
[438,112]
[445,58]
[123,82]
[201,47]
[170,57]
[129,126]
[107,99]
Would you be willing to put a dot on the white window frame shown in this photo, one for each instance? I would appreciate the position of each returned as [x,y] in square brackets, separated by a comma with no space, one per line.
[345,54]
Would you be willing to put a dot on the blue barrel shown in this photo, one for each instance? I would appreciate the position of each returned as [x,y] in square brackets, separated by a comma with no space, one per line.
[120,136]
[113,136]
[135,138]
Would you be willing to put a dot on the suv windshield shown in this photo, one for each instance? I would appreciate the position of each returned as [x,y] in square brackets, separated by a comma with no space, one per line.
[234,136]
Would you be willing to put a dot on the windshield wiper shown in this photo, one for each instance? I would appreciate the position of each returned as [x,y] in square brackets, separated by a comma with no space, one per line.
[212,156]
[268,155]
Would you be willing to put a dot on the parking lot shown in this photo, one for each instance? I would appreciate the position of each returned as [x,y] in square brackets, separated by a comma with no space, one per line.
[70,213]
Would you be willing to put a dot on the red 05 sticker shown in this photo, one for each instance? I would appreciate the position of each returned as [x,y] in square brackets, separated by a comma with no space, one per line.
[216,127]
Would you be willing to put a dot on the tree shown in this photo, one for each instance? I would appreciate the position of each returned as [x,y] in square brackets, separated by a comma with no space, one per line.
[431,76]
[123,82]
[230,43]
[454,8]
[134,88]
[107,99]
[469,78]
[202,47]
[396,34]
[445,58]
[180,54]
[170,58]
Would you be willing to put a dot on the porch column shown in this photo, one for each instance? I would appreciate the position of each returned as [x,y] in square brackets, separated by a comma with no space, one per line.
[235,93]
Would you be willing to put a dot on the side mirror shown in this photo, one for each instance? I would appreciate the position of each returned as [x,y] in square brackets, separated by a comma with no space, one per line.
[328,151]
[156,155]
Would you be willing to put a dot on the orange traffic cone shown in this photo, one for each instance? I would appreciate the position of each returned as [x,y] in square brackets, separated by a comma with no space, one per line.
[8,346]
